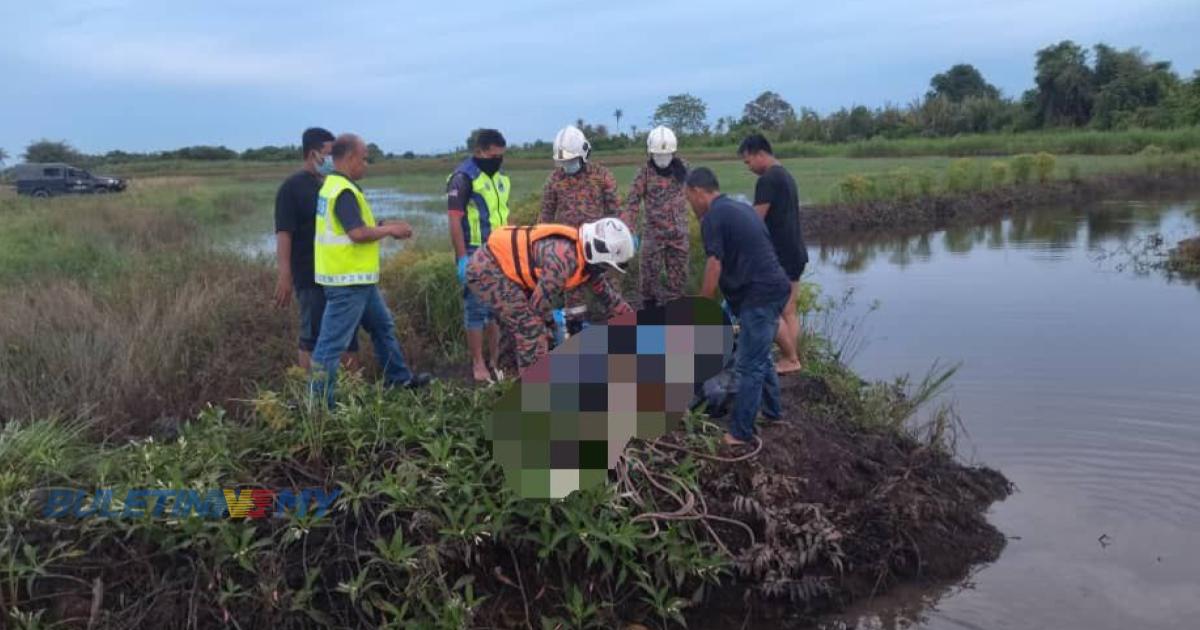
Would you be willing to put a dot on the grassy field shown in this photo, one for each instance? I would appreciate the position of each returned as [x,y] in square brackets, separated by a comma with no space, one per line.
[817,178]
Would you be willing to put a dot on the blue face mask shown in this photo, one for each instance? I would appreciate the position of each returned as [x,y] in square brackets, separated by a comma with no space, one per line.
[326,165]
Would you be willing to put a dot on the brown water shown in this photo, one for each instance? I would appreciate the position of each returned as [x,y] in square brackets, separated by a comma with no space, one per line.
[1080,380]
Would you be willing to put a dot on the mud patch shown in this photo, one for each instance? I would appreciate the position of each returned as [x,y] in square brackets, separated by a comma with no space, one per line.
[841,513]
[936,212]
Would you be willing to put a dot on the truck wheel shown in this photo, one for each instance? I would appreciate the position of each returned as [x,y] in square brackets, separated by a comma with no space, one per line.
[41,193]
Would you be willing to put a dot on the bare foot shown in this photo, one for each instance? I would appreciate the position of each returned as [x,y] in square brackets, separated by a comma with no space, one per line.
[787,367]
[481,374]
[732,441]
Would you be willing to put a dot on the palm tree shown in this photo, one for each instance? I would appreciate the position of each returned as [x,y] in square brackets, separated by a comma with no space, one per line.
[618,114]
[3,156]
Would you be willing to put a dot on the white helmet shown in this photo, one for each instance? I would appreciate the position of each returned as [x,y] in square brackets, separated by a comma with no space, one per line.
[569,144]
[661,141]
[607,241]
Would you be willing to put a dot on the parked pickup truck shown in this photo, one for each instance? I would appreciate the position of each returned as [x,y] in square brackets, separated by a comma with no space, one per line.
[48,180]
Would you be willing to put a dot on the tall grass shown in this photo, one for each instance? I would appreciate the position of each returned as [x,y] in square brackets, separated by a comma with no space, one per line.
[116,311]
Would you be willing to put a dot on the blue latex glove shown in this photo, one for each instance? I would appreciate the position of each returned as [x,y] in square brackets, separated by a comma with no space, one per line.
[560,326]
[462,270]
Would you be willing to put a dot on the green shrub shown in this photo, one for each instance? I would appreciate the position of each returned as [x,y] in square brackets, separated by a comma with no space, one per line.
[926,184]
[999,173]
[1022,169]
[964,175]
[423,290]
[904,183]
[856,188]
[1043,164]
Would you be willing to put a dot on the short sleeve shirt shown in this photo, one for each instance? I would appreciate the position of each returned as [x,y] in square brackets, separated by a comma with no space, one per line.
[750,272]
[777,189]
[296,213]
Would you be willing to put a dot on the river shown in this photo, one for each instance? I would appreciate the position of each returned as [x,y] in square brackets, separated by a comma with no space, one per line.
[1080,381]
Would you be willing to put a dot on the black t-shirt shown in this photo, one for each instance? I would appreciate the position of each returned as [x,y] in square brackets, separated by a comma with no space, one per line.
[296,212]
[750,273]
[777,188]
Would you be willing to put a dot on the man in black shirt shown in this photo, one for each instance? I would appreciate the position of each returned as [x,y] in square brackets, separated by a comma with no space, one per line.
[777,201]
[295,220]
[742,263]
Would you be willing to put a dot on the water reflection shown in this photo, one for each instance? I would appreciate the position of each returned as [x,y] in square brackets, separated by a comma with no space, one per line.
[426,213]
[1051,233]
[1078,381]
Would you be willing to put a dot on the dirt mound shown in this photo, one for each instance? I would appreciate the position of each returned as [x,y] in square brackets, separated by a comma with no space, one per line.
[940,211]
[839,512]
[1185,258]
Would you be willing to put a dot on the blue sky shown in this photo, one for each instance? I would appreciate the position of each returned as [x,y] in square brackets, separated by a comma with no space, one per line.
[148,75]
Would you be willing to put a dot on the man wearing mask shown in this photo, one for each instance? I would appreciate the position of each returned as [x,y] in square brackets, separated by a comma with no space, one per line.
[659,186]
[295,217]
[578,191]
[477,199]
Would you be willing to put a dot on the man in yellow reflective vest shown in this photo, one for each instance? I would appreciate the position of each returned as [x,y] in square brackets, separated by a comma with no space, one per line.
[346,263]
[477,200]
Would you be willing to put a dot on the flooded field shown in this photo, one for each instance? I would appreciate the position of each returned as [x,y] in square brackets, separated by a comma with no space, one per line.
[426,213]
[1079,381]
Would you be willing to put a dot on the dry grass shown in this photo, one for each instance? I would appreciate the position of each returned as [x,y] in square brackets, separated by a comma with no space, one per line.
[147,348]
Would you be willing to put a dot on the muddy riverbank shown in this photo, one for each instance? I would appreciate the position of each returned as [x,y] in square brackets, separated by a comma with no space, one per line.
[941,211]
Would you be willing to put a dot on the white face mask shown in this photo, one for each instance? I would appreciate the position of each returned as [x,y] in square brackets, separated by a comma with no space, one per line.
[570,167]
[662,160]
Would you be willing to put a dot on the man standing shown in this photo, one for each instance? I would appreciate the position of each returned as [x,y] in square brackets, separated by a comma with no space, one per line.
[477,198]
[346,254]
[777,201]
[577,191]
[295,216]
[742,262]
[523,272]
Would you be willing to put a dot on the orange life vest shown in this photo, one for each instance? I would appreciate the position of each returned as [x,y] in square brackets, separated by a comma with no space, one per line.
[512,246]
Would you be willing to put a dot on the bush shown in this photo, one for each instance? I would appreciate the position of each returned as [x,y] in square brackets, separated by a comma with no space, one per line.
[856,188]
[1043,164]
[1022,169]
[422,289]
[999,173]
[964,175]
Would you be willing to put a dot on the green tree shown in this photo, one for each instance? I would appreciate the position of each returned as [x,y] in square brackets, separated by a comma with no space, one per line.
[51,151]
[768,111]
[960,82]
[684,113]
[618,114]
[3,156]
[374,153]
[1064,94]
[1127,82]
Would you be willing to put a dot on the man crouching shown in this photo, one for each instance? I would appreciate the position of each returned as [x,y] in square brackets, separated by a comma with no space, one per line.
[524,272]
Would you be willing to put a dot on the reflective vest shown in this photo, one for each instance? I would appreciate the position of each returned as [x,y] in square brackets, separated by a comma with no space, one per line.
[488,206]
[339,261]
[513,249]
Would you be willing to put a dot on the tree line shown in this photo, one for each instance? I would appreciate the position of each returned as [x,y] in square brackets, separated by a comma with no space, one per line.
[1074,87]
[1100,88]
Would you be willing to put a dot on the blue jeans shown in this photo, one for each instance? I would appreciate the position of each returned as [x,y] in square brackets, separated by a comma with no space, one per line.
[758,385]
[345,308]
